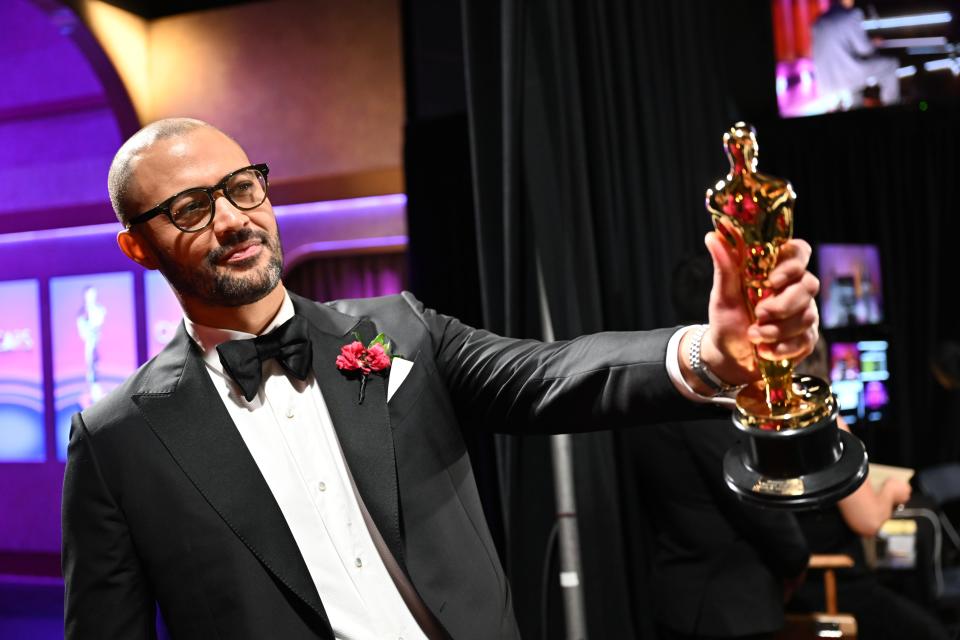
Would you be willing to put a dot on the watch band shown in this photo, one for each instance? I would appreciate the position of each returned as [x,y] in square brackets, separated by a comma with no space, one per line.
[700,368]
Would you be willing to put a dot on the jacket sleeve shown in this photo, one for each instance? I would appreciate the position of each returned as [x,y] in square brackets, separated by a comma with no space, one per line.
[775,535]
[107,595]
[597,381]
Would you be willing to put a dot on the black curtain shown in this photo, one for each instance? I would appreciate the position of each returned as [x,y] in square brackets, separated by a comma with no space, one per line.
[588,136]
[595,130]
[887,177]
[440,214]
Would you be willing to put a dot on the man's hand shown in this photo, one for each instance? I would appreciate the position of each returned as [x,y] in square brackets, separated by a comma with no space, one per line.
[786,322]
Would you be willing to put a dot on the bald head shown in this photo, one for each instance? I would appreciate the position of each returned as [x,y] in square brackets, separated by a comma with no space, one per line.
[120,181]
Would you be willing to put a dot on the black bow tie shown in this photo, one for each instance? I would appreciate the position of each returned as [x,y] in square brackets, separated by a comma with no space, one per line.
[289,344]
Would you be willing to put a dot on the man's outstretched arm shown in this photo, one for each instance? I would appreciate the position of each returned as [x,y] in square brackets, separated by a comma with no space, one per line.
[106,593]
[619,379]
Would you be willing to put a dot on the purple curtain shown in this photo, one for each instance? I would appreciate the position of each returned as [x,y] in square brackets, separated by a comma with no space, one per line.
[333,277]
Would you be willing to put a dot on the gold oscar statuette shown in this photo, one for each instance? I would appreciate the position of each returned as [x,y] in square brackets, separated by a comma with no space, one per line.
[792,454]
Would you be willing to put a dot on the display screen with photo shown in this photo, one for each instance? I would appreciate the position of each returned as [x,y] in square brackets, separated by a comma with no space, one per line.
[850,285]
[21,373]
[838,55]
[859,376]
[94,342]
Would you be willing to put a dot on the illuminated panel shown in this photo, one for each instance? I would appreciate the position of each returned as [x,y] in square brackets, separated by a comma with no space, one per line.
[845,375]
[859,377]
[899,22]
[851,289]
[94,342]
[163,312]
[21,373]
[874,373]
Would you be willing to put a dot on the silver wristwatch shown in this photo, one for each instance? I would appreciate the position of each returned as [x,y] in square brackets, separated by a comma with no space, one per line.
[703,372]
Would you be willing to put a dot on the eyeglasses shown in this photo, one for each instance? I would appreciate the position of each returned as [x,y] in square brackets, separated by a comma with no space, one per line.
[193,210]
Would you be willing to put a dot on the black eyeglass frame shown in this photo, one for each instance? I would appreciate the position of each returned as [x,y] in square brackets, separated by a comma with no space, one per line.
[164,207]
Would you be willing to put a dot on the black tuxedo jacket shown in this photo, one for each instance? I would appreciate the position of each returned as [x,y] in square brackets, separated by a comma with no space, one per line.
[719,563]
[164,505]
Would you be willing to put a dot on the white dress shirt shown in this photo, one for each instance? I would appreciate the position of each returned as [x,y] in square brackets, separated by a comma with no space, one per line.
[676,376]
[291,437]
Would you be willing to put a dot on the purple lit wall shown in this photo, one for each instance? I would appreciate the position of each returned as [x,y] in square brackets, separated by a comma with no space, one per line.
[163,312]
[64,261]
[63,114]
[52,99]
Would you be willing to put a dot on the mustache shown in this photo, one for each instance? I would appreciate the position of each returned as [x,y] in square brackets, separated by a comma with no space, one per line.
[241,236]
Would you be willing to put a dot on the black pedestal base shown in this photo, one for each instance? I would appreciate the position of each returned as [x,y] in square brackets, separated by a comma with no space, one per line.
[811,490]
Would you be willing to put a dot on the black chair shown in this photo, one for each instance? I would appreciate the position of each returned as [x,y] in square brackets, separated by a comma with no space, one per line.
[830,623]
[941,484]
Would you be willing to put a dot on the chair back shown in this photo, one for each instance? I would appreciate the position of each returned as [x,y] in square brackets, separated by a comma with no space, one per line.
[941,483]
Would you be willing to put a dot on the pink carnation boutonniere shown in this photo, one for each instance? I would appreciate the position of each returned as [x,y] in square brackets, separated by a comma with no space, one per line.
[360,361]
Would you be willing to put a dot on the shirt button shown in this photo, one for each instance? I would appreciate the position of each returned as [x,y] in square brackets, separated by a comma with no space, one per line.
[322,486]
[290,413]
[358,562]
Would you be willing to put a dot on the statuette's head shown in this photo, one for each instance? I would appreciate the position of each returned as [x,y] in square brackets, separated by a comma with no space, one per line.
[742,149]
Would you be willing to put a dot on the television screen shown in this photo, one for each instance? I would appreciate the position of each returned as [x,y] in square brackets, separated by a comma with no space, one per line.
[850,285]
[21,373]
[163,312]
[859,376]
[94,342]
[838,55]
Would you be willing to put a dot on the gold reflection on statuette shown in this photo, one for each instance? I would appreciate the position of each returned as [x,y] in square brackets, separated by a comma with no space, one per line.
[754,214]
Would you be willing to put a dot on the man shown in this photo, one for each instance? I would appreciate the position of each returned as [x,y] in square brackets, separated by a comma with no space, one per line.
[250,503]
[721,568]
[845,59]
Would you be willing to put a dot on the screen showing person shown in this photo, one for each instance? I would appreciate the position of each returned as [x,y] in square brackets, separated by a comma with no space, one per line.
[94,342]
[21,373]
[838,55]
[163,312]
[850,285]
[859,376]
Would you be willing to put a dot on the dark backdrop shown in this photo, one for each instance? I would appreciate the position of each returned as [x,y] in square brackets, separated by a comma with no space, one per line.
[887,177]
[582,136]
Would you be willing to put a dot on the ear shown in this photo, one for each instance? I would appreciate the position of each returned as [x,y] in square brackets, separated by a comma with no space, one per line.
[136,248]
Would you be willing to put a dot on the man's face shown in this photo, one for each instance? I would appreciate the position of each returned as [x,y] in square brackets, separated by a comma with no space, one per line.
[234,261]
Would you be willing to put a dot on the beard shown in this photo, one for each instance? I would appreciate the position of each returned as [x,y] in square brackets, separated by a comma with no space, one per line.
[217,284]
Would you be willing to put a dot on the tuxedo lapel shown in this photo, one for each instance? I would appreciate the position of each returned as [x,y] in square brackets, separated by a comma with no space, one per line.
[181,405]
[363,429]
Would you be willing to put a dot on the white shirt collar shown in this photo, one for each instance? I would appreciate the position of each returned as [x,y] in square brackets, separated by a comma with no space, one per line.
[209,338]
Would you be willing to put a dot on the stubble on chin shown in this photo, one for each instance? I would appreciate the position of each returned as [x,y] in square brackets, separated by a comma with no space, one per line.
[224,285]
